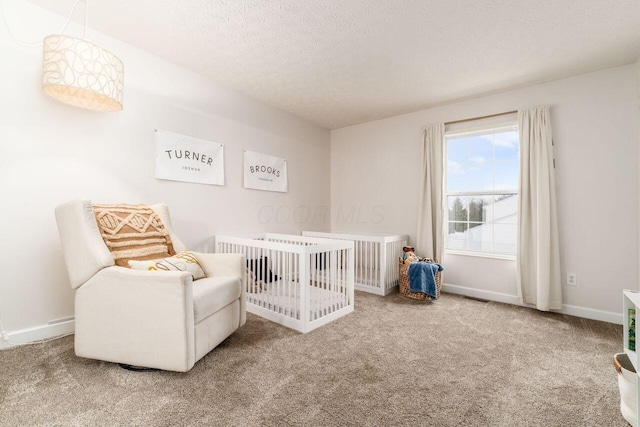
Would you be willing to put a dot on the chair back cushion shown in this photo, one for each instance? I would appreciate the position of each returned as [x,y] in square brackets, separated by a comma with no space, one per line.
[163,212]
[85,252]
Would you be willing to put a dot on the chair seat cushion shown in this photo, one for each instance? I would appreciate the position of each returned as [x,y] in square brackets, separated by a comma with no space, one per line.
[212,294]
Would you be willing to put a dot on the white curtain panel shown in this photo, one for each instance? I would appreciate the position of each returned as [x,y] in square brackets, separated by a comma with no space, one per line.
[538,247]
[430,239]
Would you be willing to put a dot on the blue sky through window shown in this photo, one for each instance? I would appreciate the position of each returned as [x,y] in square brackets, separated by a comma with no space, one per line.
[483,162]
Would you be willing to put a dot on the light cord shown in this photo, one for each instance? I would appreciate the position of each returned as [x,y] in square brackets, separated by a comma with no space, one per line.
[64,28]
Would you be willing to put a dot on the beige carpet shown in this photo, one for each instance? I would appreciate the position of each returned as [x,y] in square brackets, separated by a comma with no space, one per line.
[455,362]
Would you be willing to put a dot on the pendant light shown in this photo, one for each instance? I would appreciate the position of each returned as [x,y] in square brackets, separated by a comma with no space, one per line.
[76,71]
[80,73]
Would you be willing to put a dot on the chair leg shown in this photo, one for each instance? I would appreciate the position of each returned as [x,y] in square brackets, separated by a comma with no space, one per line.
[136,368]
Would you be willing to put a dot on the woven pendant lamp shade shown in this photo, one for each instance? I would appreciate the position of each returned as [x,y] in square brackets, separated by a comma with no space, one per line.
[78,72]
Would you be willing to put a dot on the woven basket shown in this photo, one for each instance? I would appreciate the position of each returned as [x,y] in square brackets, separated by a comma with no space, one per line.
[404,283]
[628,385]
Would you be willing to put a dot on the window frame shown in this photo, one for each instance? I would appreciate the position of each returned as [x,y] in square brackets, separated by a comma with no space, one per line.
[488,129]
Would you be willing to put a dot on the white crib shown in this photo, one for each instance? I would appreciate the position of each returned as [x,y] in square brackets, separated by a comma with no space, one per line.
[376,259]
[300,282]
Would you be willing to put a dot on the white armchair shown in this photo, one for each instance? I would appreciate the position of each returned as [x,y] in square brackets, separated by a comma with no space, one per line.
[162,320]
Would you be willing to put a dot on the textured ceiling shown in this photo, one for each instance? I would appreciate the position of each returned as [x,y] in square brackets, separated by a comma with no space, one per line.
[342,62]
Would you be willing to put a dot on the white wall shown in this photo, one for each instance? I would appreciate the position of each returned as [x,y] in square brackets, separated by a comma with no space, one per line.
[51,153]
[377,166]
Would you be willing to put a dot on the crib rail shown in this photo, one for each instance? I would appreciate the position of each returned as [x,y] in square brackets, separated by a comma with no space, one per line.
[375,257]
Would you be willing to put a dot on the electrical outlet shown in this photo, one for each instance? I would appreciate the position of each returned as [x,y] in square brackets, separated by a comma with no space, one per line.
[571,279]
[5,335]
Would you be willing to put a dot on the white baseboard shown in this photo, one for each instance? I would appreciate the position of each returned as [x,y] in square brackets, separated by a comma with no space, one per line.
[43,332]
[479,293]
[590,313]
[37,333]
[571,310]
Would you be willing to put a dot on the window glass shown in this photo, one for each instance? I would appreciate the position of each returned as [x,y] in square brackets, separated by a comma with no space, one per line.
[482,183]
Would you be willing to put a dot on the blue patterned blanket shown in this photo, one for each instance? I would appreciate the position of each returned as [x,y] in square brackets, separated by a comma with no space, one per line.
[422,277]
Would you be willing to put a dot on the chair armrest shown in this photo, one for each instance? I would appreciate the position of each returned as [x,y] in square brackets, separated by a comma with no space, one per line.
[233,265]
[222,264]
[140,318]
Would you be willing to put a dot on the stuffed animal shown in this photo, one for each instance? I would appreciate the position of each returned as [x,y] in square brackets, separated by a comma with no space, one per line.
[409,255]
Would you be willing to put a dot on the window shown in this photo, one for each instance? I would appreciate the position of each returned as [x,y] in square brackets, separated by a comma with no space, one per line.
[482,191]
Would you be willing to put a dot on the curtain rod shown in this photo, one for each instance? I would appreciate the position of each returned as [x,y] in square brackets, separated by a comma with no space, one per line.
[481,117]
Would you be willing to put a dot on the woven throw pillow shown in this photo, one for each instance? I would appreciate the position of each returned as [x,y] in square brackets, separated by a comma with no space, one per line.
[183,261]
[133,232]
